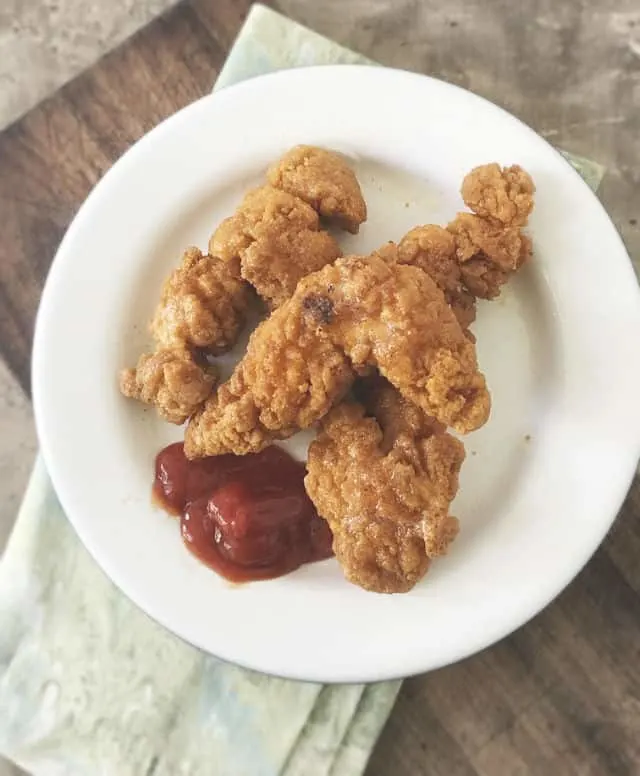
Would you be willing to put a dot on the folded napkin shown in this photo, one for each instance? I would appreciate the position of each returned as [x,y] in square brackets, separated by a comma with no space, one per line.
[90,685]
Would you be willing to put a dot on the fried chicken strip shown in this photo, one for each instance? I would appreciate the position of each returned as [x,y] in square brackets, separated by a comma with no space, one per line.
[501,194]
[324,180]
[490,245]
[356,314]
[433,250]
[290,376]
[171,380]
[477,253]
[394,317]
[202,309]
[203,304]
[275,239]
[275,234]
[384,484]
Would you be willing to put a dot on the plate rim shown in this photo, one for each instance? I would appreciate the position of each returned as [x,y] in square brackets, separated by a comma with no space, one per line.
[40,338]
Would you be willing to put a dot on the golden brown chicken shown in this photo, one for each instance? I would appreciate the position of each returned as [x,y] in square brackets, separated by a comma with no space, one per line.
[202,309]
[383,472]
[271,242]
[383,476]
[324,180]
[488,254]
[502,194]
[275,239]
[433,250]
[203,304]
[356,314]
[490,245]
[290,376]
[394,317]
[171,380]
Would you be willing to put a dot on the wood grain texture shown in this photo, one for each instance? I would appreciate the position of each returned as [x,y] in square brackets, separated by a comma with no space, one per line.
[51,159]
[562,695]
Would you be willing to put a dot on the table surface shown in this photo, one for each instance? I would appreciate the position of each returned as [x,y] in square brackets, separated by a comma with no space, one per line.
[562,695]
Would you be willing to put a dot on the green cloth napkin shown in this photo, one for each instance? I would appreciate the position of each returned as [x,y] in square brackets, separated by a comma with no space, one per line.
[90,685]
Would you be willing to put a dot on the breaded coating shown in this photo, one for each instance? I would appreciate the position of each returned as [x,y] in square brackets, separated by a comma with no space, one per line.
[275,238]
[171,380]
[203,304]
[276,263]
[503,194]
[385,495]
[356,314]
[290,377]
[506,248]
[488,253]
[324,180]
[259,208]
[395,414]
[394,317]
[433,250]
[483,279]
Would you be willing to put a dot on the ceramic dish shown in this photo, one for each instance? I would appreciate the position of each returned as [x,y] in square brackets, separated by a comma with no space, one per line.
[543,479]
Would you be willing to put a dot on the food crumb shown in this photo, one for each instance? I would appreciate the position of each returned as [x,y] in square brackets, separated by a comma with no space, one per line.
[406,204]
[473,452]
[527,437]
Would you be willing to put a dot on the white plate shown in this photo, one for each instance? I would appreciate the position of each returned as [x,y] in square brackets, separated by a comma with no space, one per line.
[542,481]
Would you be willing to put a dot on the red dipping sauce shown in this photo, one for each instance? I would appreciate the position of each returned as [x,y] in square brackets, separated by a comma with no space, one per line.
[247,517]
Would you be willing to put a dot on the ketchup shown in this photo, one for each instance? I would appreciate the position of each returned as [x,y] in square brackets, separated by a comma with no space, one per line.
[247,517]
